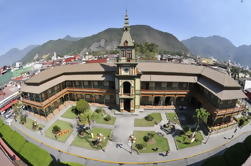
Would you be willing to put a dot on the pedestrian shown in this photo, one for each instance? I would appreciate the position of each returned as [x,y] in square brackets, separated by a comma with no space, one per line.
[235,130]
[166,153]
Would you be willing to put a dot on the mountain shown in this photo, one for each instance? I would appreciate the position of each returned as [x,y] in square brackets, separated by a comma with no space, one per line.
[213,46]
[108,40]
[70,38]
[242,55]
[220,48]
[15,54]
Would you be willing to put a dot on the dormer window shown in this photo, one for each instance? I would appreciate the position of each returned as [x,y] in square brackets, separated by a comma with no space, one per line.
[125,43]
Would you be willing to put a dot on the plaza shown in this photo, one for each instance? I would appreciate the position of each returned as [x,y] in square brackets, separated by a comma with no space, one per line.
[132,112]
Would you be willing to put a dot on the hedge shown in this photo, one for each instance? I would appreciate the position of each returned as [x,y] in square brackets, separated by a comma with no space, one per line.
[236,154]
[233,156]
[247,143]
[215,161]
[29,152]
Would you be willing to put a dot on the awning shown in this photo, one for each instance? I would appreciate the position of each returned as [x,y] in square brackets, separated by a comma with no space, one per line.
[8,105]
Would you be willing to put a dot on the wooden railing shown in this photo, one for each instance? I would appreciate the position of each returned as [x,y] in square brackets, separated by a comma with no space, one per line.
[67,91]
[163,92]
[229,110]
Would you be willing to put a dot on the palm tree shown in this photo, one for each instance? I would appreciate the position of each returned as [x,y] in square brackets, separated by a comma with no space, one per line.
[201,116]
[17,109]
[88,117]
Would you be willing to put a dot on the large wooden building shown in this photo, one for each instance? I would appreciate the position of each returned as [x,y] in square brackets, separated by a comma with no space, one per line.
[130,85]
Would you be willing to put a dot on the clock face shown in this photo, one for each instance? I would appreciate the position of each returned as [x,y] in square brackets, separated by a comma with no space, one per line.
[126,69]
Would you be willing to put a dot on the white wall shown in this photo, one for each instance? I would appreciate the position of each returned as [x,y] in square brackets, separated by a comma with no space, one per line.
[247,84]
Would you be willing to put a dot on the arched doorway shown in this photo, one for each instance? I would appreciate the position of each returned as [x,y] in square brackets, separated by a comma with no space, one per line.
[126,88]
[168,101]
[127,105]
[156,100]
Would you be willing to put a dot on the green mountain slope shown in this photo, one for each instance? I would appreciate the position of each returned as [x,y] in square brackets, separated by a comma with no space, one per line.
[213,46]
[220,48]
[108,40]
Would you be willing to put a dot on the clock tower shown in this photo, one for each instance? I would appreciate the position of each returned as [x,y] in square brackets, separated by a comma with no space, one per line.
[127,80]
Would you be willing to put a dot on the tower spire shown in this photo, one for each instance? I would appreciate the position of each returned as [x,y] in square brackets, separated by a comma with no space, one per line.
[126,23]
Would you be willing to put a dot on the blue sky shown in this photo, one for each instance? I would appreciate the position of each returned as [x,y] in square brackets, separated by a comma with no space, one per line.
[24,22]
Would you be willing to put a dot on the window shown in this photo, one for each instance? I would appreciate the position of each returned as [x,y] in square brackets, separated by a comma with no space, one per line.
[95,83]
[163,84]
[175,84]
[86,83]
[152,84]
[87,96]
[107,97]
[106,83]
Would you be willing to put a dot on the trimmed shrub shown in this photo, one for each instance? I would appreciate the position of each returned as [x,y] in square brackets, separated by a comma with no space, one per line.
[236,154]
[241,122]
[56,129]
[149,118]
[150,135]
[99,110]
[108,118]
[146,138]
[139,146]
[29,152]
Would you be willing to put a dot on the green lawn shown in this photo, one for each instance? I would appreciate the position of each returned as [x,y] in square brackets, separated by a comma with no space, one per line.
[69,114]
[85,142]
[101,120]
[181,145]
[29,122]
[31,153]
[144,123]
[173,117]
[64,126]
[72,164]
[156,142]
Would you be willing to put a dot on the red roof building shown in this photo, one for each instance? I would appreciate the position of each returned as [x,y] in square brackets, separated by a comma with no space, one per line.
[97,61]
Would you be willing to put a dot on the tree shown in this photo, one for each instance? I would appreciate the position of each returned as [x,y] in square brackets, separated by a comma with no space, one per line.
[202,117]
[17,109]
[82,106]
[56,129]
[23,118]
[146,51]
[87,117]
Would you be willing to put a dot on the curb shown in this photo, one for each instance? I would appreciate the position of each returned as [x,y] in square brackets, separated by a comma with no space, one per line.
[115,162]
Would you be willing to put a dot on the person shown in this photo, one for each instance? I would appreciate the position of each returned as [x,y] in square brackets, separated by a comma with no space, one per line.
[118,145]
[166,153]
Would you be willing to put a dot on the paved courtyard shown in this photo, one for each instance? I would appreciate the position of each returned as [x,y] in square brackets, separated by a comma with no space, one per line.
[122,129]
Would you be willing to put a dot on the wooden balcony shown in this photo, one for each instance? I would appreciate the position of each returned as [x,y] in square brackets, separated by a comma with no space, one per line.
[67,91]
[164,92]
[220,112]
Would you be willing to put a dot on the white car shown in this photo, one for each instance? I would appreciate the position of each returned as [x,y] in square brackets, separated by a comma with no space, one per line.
[8,121]
[8,114]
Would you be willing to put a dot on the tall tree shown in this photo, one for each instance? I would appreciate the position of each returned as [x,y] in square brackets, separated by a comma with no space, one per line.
[82,106]
[202,117]
[17,109]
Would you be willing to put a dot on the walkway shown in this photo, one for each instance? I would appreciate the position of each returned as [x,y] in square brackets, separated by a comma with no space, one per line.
[124,126]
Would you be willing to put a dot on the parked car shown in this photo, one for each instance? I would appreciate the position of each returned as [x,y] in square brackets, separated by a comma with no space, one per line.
[2,112]
[8,114]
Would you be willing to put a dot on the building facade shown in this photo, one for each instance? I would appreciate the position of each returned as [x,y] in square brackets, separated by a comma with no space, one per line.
[129,85]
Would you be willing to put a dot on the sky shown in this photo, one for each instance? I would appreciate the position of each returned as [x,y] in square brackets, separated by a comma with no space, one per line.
[25,22]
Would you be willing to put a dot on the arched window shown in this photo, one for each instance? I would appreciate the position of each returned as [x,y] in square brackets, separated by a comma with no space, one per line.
[125,43]
[126,88]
